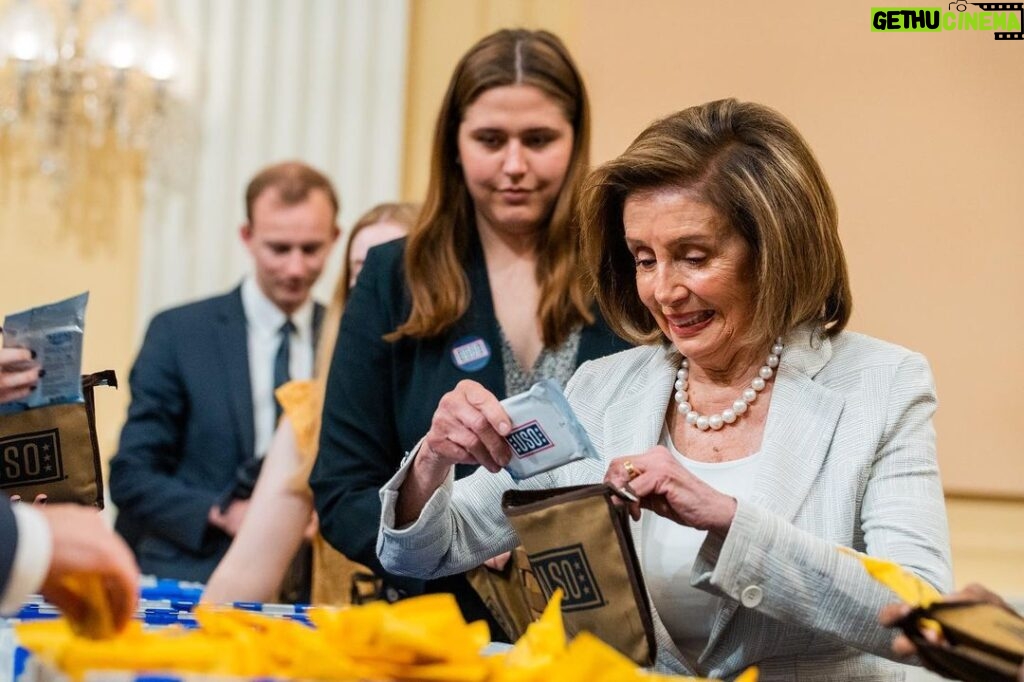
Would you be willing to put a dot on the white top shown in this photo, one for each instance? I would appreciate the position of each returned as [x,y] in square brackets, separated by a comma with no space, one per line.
[263,322]
[670,549]
[31,557]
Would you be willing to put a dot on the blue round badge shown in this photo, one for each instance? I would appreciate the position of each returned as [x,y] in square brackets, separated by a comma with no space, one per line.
[471,353]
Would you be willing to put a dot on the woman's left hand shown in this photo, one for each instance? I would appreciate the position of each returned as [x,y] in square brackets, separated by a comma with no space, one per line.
[665,487]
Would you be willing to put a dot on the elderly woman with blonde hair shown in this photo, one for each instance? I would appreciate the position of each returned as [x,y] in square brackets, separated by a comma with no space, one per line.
[758,435]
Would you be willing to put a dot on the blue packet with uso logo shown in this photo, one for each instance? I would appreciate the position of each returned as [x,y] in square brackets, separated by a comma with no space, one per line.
[54,332]
[545,432]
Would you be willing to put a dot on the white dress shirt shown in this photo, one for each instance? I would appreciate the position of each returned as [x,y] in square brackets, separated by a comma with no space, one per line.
[31,557]
[263,323]
[669,551]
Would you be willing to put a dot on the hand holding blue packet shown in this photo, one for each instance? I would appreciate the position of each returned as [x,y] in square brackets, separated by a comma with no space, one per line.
[545,432]
[55,332]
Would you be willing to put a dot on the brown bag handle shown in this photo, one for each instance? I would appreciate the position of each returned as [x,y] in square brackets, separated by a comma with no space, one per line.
[982,641]
[518,502]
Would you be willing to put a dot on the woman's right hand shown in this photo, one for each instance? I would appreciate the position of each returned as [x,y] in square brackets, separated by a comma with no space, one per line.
[19,373]
[468,427]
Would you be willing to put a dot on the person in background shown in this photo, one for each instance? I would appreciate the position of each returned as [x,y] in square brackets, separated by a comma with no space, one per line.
[488,286]
[381,224]
[40,546]
[281,509]
[758,435]
[904,648]
[203,410]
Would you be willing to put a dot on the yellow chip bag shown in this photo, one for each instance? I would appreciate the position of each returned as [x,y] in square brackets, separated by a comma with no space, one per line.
[93,617]
[911,589]
[296,399]
[424,639]
[908,587]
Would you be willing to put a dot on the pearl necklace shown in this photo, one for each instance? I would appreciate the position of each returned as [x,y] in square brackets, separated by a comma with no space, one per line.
[739,406]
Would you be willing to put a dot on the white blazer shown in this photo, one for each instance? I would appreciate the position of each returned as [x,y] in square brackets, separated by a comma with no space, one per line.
[848,460]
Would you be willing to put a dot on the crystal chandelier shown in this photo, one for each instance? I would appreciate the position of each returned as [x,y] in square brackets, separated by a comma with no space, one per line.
[87,91]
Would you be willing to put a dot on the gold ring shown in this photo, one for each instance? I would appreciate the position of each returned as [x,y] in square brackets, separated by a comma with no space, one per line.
[630,469]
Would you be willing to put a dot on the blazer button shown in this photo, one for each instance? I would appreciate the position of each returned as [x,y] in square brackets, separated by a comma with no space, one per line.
[751,596]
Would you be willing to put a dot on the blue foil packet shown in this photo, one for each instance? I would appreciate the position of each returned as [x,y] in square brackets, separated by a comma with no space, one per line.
[545,431]
[55,332]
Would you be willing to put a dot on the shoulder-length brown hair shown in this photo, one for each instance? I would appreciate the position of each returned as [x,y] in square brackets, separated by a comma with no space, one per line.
[440,241]
[753,167]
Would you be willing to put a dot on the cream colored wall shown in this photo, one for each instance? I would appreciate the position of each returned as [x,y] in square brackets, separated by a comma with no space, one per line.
[55,245]
[988,545]
[918,133]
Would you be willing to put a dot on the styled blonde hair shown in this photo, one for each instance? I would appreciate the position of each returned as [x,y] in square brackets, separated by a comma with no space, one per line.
[752,166]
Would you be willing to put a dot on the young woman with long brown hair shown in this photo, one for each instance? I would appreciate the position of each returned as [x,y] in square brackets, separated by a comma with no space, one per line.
[487,288]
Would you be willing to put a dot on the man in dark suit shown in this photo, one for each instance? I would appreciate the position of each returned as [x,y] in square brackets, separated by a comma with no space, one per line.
[202,410]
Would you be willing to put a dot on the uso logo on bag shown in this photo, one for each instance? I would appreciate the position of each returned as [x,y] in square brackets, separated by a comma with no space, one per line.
[529,439]
[568,568]
[30,458]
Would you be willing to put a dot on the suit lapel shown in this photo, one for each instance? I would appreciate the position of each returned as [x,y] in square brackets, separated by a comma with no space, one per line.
[802,419]
[633,424]
[233,344]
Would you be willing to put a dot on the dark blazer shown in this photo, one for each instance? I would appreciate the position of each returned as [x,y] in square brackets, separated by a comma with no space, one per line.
[8,542]
[381,397]
[189,427]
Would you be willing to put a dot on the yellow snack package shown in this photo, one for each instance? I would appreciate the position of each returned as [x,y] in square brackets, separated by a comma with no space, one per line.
[54,643]
[911,589]
[414,624]
[542,654]
[424,639]
[296,399]
[589,659]
[544,639]
[94,615]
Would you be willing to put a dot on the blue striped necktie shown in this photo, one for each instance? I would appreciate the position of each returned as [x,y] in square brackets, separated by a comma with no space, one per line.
[281,362]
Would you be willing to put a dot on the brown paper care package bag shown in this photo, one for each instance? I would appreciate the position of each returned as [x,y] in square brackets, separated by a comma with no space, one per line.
[577,539]
[52,450]
[974,641]
[511,594]
[979,642]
